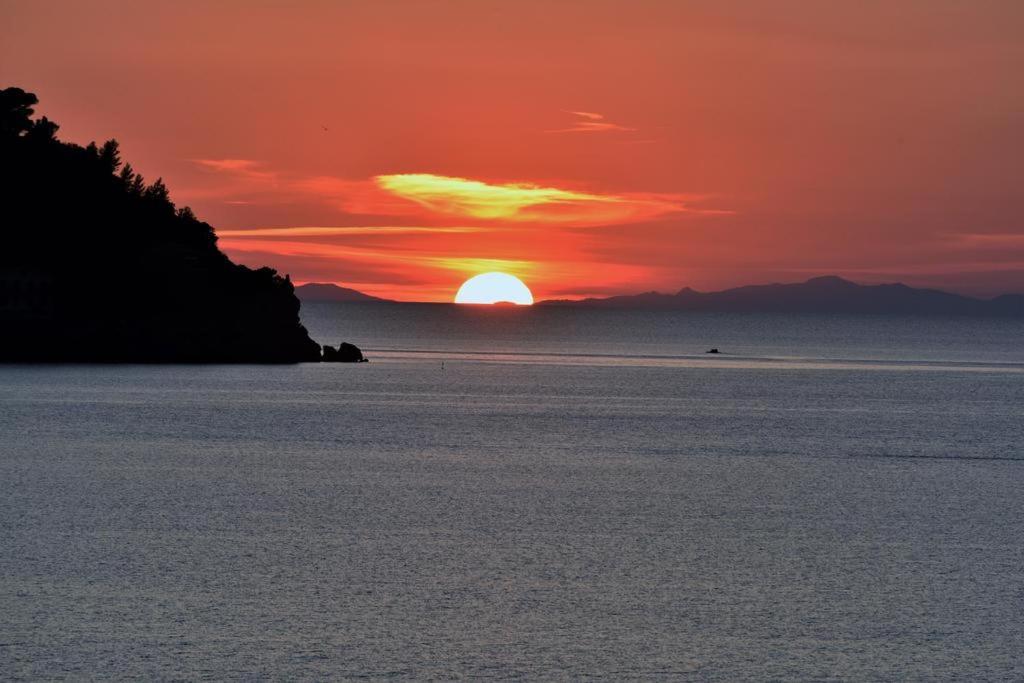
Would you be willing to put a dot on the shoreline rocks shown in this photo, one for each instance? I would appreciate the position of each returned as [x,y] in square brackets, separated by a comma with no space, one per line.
[345,353]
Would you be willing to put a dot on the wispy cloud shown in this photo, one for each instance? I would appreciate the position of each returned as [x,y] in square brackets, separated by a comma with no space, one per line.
[590,122]
[995,240]
[232,165]
[428,272]
[358,197]
[472,266]
[245,168]
[434,231]
[330,231]
[232,181]
[431,265]
[526,202]
[436,199]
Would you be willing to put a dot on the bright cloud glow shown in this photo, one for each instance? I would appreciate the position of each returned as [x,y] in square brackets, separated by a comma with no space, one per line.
[524,202]
[435,198]
[476,198]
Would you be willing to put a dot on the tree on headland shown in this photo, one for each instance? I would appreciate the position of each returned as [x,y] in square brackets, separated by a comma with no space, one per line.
[16,112]
[109,155]
[98,265]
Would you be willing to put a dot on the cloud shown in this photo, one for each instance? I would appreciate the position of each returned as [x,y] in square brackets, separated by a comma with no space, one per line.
[231,165]
[436,274]
[346,230]
[590,122]
[249,169]
[358,197]
[472,266]
[427,198]
[434,231]
[526,202]
[428,272]
[232,181]
[993,240]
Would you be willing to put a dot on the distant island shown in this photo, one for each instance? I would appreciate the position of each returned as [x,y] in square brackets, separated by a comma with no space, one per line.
[99,266]
[827,294]
[317,291]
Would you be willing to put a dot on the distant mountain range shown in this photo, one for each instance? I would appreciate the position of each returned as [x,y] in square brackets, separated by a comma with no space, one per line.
[316,291]
[828,294]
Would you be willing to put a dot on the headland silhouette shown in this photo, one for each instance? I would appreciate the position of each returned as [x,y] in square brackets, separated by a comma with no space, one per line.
[98,265]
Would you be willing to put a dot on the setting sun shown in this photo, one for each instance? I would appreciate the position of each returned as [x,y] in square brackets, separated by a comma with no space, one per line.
[494,288]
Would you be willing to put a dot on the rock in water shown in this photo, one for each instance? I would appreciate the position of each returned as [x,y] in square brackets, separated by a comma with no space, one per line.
[345,353]
[350,353]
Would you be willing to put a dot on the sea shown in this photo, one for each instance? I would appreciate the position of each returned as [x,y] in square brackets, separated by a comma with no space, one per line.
[541,493]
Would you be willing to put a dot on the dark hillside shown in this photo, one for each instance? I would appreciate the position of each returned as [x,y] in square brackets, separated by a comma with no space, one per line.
[97,265]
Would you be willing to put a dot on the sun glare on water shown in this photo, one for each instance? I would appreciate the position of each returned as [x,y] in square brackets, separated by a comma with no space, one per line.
[494,288]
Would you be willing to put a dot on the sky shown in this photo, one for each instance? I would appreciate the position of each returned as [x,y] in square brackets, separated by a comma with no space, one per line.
[590,147]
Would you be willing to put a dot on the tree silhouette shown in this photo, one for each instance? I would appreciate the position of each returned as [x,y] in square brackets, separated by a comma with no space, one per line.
[110,156]
[16,112]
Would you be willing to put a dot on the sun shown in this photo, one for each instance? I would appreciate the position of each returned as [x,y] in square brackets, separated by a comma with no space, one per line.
[494,288]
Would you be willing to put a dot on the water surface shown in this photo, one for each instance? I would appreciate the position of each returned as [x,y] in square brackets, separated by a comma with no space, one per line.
[544,494]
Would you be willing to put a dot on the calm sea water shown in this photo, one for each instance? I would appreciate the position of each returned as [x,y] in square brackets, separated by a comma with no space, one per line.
[537,493]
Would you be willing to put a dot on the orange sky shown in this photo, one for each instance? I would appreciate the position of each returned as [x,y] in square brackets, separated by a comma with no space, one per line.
[588,147]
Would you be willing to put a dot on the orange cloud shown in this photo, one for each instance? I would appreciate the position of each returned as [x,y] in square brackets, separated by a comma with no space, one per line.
[589,122]
[429,267]
[525,202]
[232,181]
[344,231]
[436,198]
[232,165]
[428,275]
[435,231]
[992,240]
[360,197]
